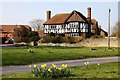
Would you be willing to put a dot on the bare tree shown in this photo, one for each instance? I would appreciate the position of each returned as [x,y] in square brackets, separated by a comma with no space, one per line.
[36,24]
[116,30]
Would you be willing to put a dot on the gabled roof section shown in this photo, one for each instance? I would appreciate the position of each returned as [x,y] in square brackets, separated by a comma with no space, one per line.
[76,16]
[64,18]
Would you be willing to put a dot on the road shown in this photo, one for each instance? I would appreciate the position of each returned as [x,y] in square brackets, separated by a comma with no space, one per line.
[80,62]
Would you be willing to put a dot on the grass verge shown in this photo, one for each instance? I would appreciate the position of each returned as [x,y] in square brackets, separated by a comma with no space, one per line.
[20,56]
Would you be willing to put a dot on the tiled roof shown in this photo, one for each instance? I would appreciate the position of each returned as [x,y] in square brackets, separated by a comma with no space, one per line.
[62,18]
[57,19]
[7,28]
[10,28]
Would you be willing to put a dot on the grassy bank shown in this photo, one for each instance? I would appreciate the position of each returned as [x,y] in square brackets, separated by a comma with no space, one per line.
[18,56]
[106,70]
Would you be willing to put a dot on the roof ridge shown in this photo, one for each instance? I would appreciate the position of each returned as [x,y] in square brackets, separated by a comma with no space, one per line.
[62,13]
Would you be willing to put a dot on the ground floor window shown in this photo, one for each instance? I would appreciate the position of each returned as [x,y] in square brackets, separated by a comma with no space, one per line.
[74,34]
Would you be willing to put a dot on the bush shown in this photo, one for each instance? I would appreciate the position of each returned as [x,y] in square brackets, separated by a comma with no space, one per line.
[60,39]
[65,40]
[78,39]
[4,39]
[71,39]
[50,34]
[48,39]
[52,39]
[18,39]
[52,72]
[57,39]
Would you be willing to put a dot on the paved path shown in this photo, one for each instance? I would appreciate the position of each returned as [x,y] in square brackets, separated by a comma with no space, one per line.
[80,62]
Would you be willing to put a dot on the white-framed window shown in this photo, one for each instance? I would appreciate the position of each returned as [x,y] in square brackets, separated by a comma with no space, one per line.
[86,30]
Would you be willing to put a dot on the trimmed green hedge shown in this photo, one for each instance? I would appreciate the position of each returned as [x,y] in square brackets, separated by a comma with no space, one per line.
[61,39]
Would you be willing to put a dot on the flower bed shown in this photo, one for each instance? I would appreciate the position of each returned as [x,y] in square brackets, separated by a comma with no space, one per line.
[53,71]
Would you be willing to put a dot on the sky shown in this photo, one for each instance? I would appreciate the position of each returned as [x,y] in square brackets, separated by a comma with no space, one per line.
[24,12]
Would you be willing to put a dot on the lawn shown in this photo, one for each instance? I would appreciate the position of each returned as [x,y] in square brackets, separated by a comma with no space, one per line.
[105,70]
[20,56]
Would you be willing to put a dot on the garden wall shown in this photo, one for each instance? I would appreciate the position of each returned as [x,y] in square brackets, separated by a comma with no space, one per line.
[100,42]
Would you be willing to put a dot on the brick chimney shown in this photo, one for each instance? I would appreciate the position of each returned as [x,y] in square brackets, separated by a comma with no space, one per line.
[89,19]
[48,15]
[89,13]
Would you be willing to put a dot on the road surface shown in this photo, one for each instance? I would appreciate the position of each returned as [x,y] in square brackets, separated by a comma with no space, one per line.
[80,62]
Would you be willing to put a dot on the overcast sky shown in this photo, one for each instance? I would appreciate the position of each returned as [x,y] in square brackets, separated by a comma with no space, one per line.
[23,12]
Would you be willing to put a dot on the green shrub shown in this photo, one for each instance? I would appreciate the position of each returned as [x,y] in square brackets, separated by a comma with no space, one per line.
[54,39]
[57,39]
[52,72]
[61,39]
[65,39]
[71,39]
[76,39]
[81,38]
[48,39]
[18,39]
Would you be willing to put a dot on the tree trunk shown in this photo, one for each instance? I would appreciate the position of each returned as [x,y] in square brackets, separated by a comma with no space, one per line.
[35,43]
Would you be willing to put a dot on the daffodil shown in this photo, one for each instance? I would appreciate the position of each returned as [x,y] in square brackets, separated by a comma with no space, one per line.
[35,65]
[44,65]
[49,70]
[59,68]
[64,65]
[54,65]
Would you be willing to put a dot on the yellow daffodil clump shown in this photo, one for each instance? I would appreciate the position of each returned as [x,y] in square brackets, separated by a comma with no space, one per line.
[43,65]
[51,71]
[54,65]
[59,68]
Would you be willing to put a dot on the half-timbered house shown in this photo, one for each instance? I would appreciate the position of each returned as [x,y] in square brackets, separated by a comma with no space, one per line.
[69,24]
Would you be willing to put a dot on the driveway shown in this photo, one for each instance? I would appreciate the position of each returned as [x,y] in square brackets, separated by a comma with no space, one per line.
[79,62]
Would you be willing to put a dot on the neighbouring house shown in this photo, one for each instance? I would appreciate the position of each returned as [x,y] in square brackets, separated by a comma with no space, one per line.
[7,32]
[71,24]
[96,29]
[103,33]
